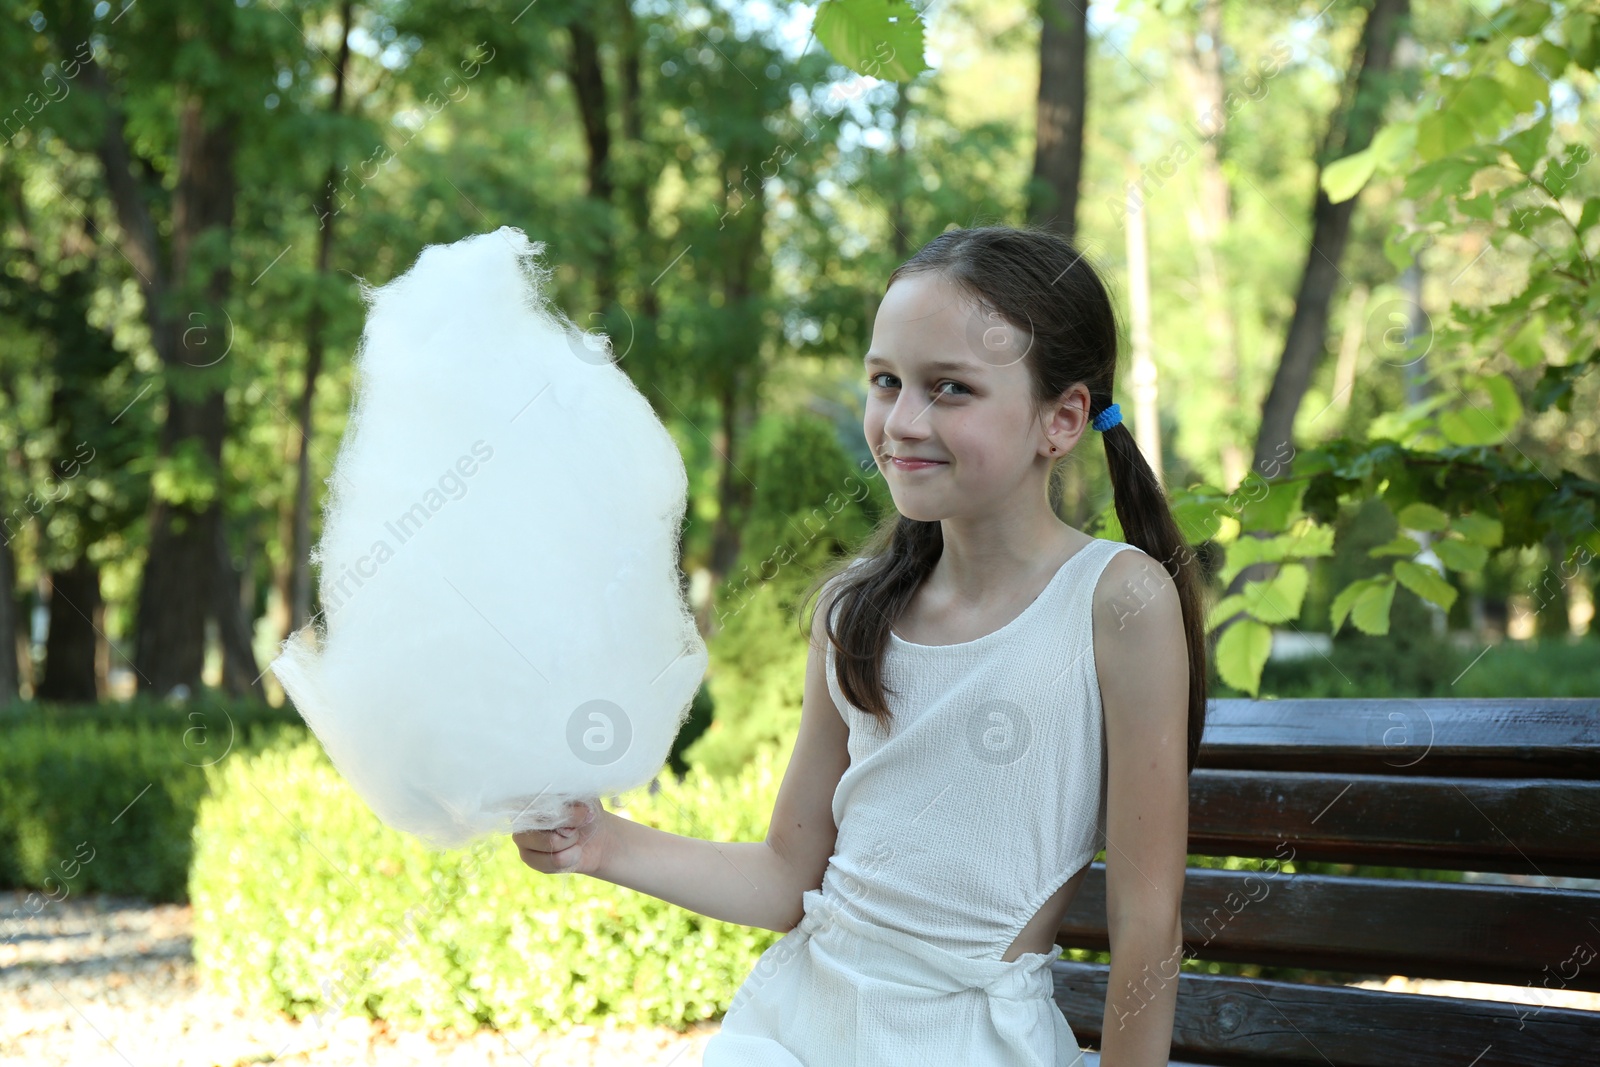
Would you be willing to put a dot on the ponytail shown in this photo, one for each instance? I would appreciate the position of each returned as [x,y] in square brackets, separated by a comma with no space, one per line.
[1148,524]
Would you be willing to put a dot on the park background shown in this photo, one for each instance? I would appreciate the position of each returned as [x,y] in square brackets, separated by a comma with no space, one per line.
[1353,243]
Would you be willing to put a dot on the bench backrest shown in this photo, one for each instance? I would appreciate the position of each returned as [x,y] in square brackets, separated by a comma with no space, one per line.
[1509,786]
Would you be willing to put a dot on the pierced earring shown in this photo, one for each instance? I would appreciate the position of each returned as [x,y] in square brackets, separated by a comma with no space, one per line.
[1052,450]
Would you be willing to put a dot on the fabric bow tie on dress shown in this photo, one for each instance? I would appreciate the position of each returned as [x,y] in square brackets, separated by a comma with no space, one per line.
[904,967]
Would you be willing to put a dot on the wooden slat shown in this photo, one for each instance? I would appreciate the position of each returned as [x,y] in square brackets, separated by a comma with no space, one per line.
[1225,1020]
[1526,826]
[1091,1058]
[1554,737]
[1476,933]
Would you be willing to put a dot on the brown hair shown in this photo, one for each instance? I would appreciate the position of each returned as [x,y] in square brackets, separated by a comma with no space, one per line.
[1040,283]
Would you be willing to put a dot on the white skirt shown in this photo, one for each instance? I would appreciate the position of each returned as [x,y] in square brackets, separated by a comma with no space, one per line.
[836,992]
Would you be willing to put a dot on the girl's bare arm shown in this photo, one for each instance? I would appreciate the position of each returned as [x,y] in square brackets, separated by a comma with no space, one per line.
[752,883]
[1143,665]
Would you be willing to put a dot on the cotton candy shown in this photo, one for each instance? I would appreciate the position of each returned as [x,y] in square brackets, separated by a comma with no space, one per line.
[502,629]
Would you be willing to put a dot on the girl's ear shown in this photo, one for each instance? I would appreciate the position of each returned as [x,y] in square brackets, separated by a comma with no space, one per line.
[1067,420]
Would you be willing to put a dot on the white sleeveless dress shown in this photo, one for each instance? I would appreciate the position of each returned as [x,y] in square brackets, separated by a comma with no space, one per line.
[986,796]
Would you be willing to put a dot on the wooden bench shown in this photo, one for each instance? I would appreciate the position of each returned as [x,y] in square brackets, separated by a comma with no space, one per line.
[1507,786]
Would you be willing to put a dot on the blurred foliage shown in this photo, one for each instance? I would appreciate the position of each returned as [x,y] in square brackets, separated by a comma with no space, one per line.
[304,902]
[119,782]
[810,502]
[1481,150]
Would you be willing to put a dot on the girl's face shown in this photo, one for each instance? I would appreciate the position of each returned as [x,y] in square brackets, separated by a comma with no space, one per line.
[946,382]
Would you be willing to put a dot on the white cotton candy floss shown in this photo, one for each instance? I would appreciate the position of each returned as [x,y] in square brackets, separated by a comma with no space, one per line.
[503,631]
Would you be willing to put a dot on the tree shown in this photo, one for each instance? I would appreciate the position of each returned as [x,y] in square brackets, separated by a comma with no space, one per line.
[1477,150]
[1058,142]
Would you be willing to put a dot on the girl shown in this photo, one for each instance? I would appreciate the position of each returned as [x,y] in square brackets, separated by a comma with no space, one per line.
[992,697]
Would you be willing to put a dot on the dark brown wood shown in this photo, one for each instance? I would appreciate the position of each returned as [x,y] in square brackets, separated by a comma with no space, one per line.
[1469,785]
[1226,1020]
[1530,826]
[1549,737]
[1373,926]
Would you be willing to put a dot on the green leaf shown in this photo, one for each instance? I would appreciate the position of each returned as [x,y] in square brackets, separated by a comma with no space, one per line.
[1442,133]
[1225,608]
[1477,207]
[1343,178]
[1310,540]
[1507,405]
[1590,214]
[1451,177]
[1479,529]
[1199,516]
[1522,86]
[1522,20]
[1482,105]
[1555,386]
[1398,248]
[1582,32]
[1558,175]
[1526,219]
[877,38]
[1400,546]
[1272,508]
[1278,599]
[1550,60]
[1420,516]
[1529,146]
[1242,652]
[1469,426]
[1459,555]
[1524,348]
[1426,582]
[1366,602]
[1394,144]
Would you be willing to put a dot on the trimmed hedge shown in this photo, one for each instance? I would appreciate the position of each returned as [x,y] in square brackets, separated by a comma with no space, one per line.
[305,902]
[104,797]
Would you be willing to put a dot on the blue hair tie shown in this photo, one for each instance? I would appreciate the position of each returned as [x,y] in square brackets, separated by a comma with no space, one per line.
[1108,418]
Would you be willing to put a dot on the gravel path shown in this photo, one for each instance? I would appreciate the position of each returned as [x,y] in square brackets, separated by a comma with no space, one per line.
[98,981]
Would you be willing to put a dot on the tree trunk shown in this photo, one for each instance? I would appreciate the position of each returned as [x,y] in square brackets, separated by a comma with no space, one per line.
[737,391]
[240,674]
[72,649]
[1330,227]
[176,593]
[1212,217]
[588,83]
[897,203]
[635,182]
[1145,377]
[1306,342]
[10,633]
[299,585]
[1058,139]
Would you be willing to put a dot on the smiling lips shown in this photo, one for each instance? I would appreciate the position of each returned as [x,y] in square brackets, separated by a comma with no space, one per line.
[912,463]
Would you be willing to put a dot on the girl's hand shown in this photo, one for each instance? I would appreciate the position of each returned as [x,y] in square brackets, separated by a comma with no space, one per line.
[578,848]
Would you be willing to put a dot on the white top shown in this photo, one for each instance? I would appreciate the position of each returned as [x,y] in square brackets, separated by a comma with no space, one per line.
[986,795]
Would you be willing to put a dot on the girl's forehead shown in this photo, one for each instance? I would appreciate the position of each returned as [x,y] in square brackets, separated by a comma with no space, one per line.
[935,325]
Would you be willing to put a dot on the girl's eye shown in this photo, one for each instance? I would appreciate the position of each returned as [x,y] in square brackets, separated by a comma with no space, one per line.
[873,380]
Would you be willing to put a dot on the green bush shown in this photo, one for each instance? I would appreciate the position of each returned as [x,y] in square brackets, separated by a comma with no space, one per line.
[87,807]
[103,797]
[305,902]
[209,719]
